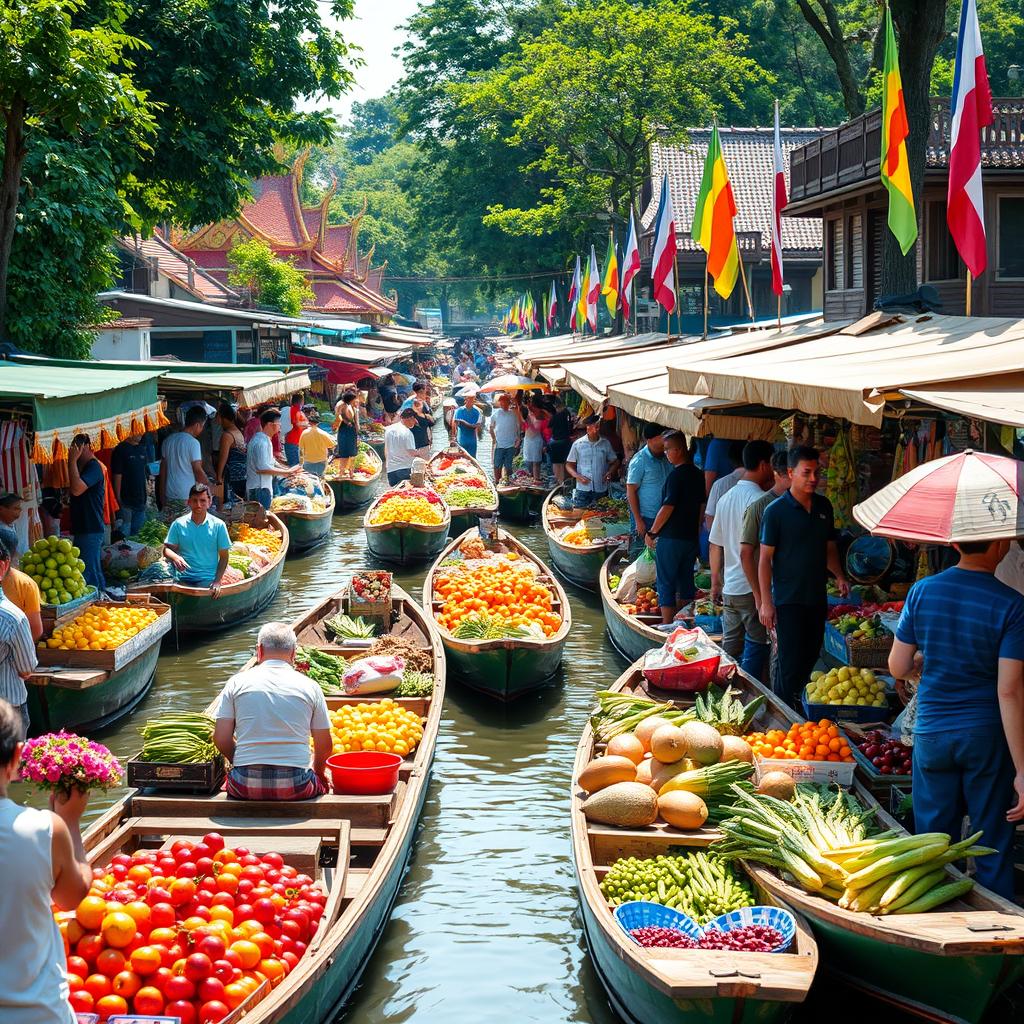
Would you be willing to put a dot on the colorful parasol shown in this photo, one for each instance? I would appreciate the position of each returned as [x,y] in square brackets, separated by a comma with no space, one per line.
[964,497]
[513,382]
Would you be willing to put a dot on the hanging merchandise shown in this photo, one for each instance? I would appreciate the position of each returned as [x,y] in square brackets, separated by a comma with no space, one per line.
[841,480]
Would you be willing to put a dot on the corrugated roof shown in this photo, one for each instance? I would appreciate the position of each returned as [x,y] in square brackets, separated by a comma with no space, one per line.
[749,157]
[175,265]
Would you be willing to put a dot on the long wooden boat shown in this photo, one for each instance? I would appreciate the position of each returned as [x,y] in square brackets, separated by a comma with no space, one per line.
[945,965]
[308,530]
[405,543]
[631,635]
[520,502]
[195,610]
[507,668]
[578,563]
[464,518]
[354,493]
[84,698]
[674,986]
[357,846]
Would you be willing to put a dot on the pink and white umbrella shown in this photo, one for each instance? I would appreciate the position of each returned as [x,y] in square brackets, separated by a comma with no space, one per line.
[963,497]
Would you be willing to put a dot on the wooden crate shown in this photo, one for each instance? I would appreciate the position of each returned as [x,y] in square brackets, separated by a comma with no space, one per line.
[111,661]
[205,777]
[56,615]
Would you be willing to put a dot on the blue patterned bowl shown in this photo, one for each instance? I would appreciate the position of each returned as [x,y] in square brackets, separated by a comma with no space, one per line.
[644,914]
[771,917]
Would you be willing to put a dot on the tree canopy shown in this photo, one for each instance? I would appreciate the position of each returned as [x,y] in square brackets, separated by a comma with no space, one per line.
[272,283]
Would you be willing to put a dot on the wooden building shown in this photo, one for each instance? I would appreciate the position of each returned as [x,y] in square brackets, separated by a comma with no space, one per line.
[835,181]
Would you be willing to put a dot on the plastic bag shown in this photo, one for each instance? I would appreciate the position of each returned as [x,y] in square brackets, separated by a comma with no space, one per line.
[687,661]
[376,674]
[628,586]
[128,554]
[646,573]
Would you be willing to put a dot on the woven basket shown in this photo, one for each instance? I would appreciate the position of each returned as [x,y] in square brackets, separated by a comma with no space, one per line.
[871,652]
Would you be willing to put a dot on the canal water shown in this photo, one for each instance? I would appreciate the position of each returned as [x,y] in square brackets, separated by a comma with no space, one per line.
[486,927]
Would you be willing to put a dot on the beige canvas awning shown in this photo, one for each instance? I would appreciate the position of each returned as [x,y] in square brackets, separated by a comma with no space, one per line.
[598,348]
[996,399]
[592,377]
[848,372]
[651,401]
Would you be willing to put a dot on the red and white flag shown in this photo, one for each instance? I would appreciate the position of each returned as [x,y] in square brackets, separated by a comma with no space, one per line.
[630,266]
[574,294]
[971,110]
[778,202]
[664,255]
[552,305]
[593,290]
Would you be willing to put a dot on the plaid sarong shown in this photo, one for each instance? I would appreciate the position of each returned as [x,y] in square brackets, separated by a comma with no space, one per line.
[270,782]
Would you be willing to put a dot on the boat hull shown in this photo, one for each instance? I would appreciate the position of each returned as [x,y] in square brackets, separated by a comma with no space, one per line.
[521,505]
[349,495]
[504,674]
[956,989]
[638,1002]
[582,568]
[54,707]
[308,530]
[463,521]
[631,644]
[403,545]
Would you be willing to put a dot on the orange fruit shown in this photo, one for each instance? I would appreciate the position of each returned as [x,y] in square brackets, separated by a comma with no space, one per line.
[90,912]
[118,929]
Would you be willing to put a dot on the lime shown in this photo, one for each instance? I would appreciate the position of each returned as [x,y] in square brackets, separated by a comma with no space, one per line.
[51,596]
[75,552]
[52,542]
[64,546]
[65,571]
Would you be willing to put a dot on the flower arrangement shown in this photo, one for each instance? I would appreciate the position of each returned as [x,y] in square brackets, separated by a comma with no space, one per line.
[61,760]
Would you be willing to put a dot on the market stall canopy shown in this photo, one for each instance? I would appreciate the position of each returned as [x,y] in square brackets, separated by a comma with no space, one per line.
[849,372]
[64,401]
[600,348]
[591,378]
[249,385]
[964,497]
[519,344]
[651,401]
[415,339]
[345,363]
[997,399]
[512,382]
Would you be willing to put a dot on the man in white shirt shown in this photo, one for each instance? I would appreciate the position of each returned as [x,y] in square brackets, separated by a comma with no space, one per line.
[265,719]
[400,447]
[260,465]
[745,638]
[506,430]
[181,463]
[592,462]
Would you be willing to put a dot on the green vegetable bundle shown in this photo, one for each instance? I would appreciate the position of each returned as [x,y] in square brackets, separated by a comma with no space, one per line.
[721,709]
[618,713]
[153,533]
[483,627]
[179,738]
[468,497]
[712,781]
[699,884]
[325,670]
[415,684]
[350,628]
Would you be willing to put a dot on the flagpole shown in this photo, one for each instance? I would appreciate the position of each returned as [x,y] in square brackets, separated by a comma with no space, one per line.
[705,297]
[778,307]
[743,278]
[969,282]
[679,308]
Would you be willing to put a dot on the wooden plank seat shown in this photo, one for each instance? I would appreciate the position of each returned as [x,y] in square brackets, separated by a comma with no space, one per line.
[325,828]
[368,811]
[608,843]
[301,852]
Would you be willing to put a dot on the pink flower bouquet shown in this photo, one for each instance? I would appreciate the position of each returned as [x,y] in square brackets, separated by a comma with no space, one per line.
[61,760]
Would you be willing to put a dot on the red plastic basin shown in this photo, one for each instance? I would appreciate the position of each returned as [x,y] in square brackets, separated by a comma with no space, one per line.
[364,771]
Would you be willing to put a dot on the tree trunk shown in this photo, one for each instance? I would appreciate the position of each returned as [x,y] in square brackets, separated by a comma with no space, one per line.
[919,24]
[443,305]
[10,185]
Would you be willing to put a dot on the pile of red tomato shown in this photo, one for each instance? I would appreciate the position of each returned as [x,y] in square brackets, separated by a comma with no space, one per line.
[191,931]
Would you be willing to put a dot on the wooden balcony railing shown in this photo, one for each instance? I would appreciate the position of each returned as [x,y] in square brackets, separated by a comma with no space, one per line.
[850,154]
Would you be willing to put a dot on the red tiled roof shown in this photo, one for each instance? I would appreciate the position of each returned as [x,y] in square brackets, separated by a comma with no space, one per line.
[312,219]
[375,278]
[337,239]
[175,265]
[348,297]
[749,156]
[273,211]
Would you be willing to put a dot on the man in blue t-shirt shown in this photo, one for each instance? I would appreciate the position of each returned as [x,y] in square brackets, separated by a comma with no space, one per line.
[470,422]
[646,474]
[969,730]
[198,544]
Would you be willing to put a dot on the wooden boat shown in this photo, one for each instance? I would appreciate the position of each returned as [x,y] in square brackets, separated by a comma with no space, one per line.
[195,610]
[83,697]
[464,518]
[945,965]
[508,668]
[631,635]
[376,442]
[354,493]
[519,502]
[358,846]
[578,563]
[307,530]
[673,986]
[404,543]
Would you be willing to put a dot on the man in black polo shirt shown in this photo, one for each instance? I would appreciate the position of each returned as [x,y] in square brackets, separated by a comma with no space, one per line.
[798,548]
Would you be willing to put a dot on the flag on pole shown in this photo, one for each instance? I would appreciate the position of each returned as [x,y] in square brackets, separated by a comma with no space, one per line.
[593,290]
[895,129]
[581,300]
[552,305]
[971,110]
[663,257]
[780,201]
[544,309]
[713,216]
[574,294]
[610,288]
[630,265]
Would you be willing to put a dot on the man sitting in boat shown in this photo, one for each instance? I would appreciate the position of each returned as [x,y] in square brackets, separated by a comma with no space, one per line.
[265,718]
[197,544]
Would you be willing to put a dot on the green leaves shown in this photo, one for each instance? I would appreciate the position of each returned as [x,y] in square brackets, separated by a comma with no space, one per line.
[274,283]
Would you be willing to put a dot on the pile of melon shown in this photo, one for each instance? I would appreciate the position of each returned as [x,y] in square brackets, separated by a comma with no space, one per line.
[631,784]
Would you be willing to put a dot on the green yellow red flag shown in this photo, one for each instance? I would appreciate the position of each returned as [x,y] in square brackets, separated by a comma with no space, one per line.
[581,305]
[610,288]
[895,168]
[713,216]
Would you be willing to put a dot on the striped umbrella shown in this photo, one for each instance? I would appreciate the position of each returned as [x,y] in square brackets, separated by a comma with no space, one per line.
[963,497]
